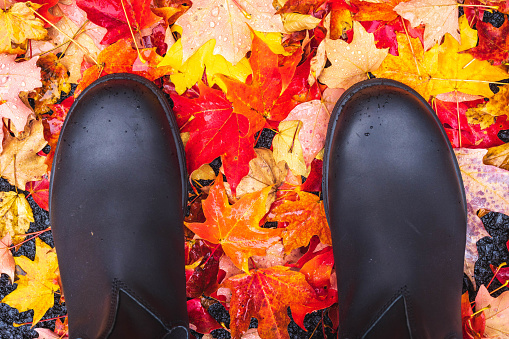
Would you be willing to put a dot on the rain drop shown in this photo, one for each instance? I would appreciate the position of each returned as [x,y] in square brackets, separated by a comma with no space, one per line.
[3,66]
[23,84]
[4,80]
[366,134]
[215,11]
[212,24]
[225,39]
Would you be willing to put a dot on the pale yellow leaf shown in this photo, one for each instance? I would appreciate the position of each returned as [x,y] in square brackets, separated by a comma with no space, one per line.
[287,147]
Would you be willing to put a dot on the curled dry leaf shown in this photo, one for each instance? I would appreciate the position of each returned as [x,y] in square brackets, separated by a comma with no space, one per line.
[263,172]
[19,162]
[19,24]
[287,146]
[351,62]
[7,264]
[485,187]
[498,156]
[293,22]
[439,17]
[315,119]
[496,311]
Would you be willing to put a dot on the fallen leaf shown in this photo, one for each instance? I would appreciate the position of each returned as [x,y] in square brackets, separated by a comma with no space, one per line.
[266,294]
[53,125]
[19,162]
[201,279]
[37,288]
[300,6]
[439,17]
[14,78]
[351,62]
[263,172]
[369,11]
[293,22]
[287,146]
[7,264]
[306,218]
[16,214]
[318,271]
[19,24]
[493,43]
[486,114]
[39,191]
[315,119]
[226,22]
[498,156]
[496,311]
[45,333]
[236,227]
[199,319]
[473,325]
[215,131]
[485,187]
[55,81]
[43,11]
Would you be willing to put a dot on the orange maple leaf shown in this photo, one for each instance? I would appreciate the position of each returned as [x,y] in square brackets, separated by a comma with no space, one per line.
[236,227]
[266,294]
[306,217]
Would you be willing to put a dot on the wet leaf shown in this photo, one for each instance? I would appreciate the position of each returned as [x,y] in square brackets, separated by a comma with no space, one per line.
[16,214]
[496,312]
[498,156]
[7,264]
[287,146]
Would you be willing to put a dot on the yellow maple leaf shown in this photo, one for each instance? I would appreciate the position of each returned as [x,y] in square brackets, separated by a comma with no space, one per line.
[19,162]
[351,62]
[15,214]
[18,25]
[485,114]
[37,287]
[287,147]
[441,69]
[191,71]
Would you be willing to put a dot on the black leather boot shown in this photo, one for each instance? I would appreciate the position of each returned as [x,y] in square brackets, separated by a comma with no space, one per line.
[395,203]
[118,188]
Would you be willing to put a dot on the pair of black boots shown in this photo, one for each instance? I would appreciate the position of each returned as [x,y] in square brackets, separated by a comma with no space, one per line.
[392,191]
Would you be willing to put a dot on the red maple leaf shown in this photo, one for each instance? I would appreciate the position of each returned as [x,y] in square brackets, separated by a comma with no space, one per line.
[113,14]
[493,43]
[199,319]
[44,11]
[215,131]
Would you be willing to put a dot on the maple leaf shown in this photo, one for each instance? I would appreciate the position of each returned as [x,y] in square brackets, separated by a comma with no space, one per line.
[315,119]
[7,264]
[318,271]
[54,82]
[369,11]
[215,131]
[496,311]
[236,227]
[439,70]
[228,22]
[36,289]
[202,278]
[263,172]
[16,214]
[287,146]
[191,71]
[199,319]
[486,114]
[113,15]
[493,43]
[306,218]
[294,22]
[460,132]
[53,125]
[261,99]
[473,325]
[485,187]
[351,62]
[45,333]
[498,156]
[16,77]
[439,17]
[44,11]
[170,10]
[39,191]
[266,294]
[19,162]
[19,24]
[300,6]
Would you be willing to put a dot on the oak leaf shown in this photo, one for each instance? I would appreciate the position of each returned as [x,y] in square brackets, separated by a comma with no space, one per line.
[7,264]
[266,294]
[236,227]
[287,147]
[498,156]
[496,311]
[351,62]
[16,214]
[439,70]
[14,78]
[226,22]
[19,162]
[18,25]
[263,172]
[439,17]
[306,218]
[485,187]
[55,81]
[315,119]
[119,17]
[37,287]
[215,131]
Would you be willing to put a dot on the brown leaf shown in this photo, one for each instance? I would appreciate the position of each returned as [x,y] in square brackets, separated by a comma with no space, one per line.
[498,156]
[19,162]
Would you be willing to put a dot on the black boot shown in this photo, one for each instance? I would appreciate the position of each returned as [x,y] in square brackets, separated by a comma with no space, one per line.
[118,188]
[395,203]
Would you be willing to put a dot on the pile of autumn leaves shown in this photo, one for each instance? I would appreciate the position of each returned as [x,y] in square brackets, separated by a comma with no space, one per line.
[228,82]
